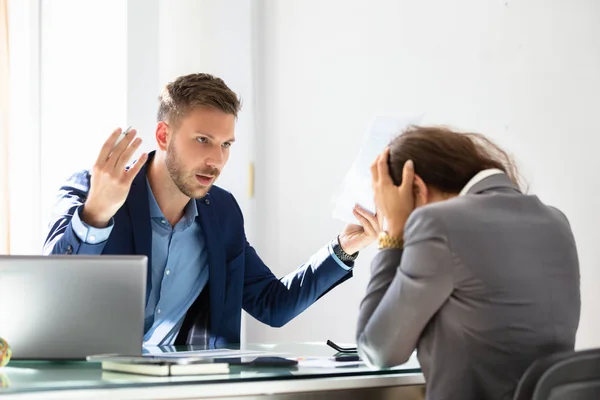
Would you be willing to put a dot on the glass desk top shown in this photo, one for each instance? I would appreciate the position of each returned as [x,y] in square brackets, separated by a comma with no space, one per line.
[36,376]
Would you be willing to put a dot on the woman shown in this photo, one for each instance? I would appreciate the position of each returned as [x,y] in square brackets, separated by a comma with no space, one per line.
[480,278]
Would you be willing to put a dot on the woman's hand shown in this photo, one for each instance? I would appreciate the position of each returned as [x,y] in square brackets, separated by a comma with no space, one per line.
[395,203]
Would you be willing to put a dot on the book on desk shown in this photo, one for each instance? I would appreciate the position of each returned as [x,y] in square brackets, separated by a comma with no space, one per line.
[161,366]
[179,366]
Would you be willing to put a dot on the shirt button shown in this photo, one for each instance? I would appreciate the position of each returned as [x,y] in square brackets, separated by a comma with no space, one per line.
[158,311]
[163,221]
[92,238]
[168,271]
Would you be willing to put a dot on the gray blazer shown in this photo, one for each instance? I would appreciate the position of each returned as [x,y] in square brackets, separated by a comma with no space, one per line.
[487,283]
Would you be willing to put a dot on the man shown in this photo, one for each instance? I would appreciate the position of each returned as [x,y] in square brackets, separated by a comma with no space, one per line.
[202,271]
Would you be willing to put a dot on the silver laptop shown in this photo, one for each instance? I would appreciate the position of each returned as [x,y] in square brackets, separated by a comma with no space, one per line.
[67,307]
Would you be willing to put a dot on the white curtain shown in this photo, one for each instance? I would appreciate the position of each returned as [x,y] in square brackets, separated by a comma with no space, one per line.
[4,144]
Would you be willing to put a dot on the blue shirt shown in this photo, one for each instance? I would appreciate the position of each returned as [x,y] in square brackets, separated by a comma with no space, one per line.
[179,272]
[179,269]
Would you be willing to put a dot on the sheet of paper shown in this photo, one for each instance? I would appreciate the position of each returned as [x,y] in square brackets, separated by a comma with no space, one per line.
[221,353]
[356,186]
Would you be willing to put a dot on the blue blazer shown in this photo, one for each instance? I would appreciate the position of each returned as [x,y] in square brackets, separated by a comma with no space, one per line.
[238,278]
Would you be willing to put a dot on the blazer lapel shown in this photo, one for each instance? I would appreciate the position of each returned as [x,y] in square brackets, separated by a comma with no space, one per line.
[139,212]
[216,258]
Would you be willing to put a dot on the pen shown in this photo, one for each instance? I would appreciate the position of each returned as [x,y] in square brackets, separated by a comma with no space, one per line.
[122,136]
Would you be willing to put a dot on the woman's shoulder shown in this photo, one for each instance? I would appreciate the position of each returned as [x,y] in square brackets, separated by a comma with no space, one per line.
[466,212]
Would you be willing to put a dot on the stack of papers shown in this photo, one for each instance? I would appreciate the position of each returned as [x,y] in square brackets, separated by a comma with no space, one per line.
[356,187]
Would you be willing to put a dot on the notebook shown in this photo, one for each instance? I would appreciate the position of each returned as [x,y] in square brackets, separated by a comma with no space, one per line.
[162,366]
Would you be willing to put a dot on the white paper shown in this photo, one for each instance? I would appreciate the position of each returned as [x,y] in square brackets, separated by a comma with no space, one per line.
[221,353]
[356,187]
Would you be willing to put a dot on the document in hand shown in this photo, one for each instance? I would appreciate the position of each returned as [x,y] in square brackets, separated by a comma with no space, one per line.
[356,187]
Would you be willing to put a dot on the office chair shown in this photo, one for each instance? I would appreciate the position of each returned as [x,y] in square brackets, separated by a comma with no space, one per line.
[530,383]
[576,391]
[581,367]
[532,375]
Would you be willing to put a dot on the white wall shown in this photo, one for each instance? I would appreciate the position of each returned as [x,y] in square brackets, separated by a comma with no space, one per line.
[523,72]
[83,87]
[143,69]
[24,133]
[24,130]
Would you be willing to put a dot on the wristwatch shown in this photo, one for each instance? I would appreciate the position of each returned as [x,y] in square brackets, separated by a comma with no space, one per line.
[340,253]
[389,242]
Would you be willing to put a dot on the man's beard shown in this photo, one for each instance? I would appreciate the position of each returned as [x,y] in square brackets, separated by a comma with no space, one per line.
[187,182]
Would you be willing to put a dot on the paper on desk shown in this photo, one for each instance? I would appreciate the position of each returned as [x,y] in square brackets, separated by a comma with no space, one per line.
[356,187]
[212,353]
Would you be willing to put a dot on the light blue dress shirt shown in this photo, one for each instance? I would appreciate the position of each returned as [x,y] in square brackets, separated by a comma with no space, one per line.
[178,273]
[88,234]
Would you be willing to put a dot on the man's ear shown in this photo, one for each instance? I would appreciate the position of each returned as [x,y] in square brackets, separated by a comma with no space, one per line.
[161,135]
[420,190]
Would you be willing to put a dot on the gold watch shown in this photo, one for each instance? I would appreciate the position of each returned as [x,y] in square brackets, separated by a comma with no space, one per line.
[389,242]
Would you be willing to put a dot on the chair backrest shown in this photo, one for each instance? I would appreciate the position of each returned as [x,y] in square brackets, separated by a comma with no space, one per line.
[580,367]
[532,375]
[577,391]
[529,380]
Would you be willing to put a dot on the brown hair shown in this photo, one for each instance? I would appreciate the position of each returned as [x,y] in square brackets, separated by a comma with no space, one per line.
[446,159]
[189,91]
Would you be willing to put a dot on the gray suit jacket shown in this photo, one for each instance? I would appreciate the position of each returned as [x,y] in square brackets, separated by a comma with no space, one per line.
[486,283]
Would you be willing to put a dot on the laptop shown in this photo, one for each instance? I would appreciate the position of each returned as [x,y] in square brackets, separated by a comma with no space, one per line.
[67,307]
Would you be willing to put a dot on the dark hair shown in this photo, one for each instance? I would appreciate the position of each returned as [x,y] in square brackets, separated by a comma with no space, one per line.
[446,159]
[190,91]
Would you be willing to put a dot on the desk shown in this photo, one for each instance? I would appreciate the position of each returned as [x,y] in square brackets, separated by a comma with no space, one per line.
[69,380]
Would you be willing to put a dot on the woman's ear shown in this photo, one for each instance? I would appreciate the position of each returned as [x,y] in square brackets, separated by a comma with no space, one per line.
[421,191]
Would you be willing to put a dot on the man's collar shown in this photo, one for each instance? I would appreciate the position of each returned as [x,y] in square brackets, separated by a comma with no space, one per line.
[155,211]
